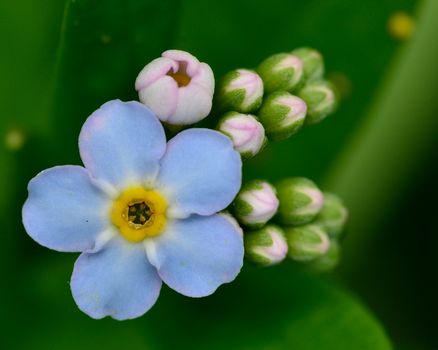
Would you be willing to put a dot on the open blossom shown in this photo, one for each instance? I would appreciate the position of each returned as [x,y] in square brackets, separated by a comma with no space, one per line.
[141,212]
[245,131]
[177,88]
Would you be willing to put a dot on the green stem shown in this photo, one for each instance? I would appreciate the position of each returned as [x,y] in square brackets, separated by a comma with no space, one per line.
[393,140]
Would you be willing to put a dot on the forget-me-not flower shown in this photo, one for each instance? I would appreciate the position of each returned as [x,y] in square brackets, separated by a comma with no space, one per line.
[141,212]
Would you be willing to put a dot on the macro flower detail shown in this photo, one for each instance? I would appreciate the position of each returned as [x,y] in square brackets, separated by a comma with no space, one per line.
[266,246]
[300,200]
[141,212]
[320,98]
[256,203]
[170,84]
[240,90]
[245,131]
[307,242]
[313,62]
[282,115]
[282,71]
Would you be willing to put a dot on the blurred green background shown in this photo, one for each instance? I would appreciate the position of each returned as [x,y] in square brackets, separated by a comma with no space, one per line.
[61,60]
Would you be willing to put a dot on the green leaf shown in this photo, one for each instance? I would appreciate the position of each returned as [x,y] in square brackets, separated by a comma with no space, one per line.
[273,308]
[104,46]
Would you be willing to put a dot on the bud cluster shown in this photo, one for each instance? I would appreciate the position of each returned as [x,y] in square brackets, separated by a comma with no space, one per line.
[274,101]
[314,221]
[285,92]
[308,222]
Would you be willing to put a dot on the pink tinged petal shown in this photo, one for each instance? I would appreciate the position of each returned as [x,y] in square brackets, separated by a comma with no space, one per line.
[153,71]
[277,251]
[297,109]
[183,56]
[251,83]
[161,97]
[200,173]
[204,78]
[65,210]
[246,132]
[196,255]
[122,143]
[118,281]
[194,104]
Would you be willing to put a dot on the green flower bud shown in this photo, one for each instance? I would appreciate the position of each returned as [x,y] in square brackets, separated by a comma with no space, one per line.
[266,246]
[300,200]
[255,204]
[282,115]
[245,131]
[313,63]
[282,71]
[328,261]
[321,100]
[333,215]
[307,242]
[240,90]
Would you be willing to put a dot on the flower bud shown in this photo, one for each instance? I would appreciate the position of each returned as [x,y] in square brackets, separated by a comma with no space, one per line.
[266,246]
[282,114]
[320,98]
[240,90]
[333,215]
[177,88]
[328,261]
[307,242]
[313,63]
[300,201]
[245,131]
[255,204]
[282,71]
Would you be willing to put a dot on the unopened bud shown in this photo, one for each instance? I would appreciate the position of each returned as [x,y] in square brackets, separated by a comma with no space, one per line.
[328,261]
[307,242]
[240,90]
[256,203]
[313,63]
[282,71]
[177,87]
[300,201]
[245,131]
[321,100]
[282,115]
[333,215]
[266,246]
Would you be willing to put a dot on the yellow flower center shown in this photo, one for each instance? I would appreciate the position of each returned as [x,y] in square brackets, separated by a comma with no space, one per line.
[139,213]
[180,76]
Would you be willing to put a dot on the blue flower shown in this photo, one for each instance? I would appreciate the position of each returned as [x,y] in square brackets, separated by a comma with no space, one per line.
[140,212]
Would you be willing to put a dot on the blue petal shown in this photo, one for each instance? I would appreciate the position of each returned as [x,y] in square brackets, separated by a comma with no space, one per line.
[65,211]
[121,143]
[117,281]
[201,173]
[196,255]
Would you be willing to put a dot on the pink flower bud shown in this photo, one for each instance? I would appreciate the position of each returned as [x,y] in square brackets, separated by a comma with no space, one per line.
[177,87]
[245,131]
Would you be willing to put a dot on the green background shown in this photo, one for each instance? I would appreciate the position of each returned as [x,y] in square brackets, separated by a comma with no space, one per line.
[61,60]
